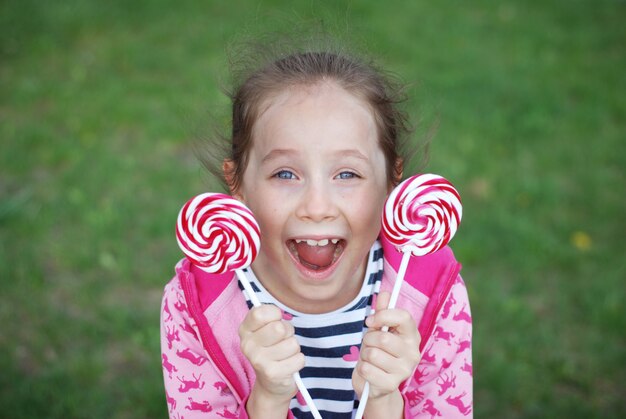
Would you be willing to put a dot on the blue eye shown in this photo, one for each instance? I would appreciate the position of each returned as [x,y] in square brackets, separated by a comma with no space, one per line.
[347,175]
[285,174]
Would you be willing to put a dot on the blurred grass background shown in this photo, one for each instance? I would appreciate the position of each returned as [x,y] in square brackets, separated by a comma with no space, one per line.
[99,105]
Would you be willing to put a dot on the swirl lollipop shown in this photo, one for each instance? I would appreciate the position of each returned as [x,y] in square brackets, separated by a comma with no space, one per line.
[421,216]
[218,234]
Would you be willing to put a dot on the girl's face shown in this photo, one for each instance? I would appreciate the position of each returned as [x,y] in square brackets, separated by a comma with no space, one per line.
[316,183]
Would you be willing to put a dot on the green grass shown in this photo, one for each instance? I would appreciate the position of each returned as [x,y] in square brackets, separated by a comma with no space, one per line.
[99,105]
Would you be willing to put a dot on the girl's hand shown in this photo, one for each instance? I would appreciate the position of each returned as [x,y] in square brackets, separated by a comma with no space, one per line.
[271,347]
[387,358]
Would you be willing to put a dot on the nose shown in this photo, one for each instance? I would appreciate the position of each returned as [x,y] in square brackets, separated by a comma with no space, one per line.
[317,203]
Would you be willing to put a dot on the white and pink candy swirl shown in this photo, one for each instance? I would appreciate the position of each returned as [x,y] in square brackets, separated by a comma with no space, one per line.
[217,233]
[422,214]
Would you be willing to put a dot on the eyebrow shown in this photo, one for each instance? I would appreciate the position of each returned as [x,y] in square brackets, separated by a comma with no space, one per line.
[275,154]
[280,152]
[353,153]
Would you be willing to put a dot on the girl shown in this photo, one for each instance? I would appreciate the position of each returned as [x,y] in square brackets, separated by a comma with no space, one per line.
[315,139]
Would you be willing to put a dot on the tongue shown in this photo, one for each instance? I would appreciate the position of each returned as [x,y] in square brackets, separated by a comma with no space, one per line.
[315,257]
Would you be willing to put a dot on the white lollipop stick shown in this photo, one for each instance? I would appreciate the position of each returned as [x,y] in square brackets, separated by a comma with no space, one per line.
[296,376]
[421,215]
[217,233]
[392,304]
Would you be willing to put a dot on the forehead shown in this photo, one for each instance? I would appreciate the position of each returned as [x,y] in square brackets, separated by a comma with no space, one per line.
[317,112]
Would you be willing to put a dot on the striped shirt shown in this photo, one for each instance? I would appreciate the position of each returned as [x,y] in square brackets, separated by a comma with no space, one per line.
[330,343]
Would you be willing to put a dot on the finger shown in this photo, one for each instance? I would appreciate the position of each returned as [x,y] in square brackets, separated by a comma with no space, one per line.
[381,360]
[397,319]
[384,341]
[278,370]
[376,377]
[263,356]
[395,345]
[295,363]
[285,349]
[273,333]
[258,317]
[382,301]
[254,343]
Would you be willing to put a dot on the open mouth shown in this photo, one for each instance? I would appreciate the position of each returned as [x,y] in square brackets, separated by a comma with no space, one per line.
[316,255]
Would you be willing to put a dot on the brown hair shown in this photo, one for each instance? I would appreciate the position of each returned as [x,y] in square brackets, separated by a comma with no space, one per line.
[357,76]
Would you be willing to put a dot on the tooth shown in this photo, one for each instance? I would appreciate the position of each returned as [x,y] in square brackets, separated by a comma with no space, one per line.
[311,242]
[334,241]
[299,241]
[322,242]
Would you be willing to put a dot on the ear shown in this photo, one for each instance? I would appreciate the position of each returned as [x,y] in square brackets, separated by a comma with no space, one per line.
[398,170]
[228,169]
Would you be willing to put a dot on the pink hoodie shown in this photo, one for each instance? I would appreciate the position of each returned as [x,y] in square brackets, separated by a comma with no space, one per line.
[206,375]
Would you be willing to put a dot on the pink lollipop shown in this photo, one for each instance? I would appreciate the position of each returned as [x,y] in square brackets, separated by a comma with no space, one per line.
[421,216]
[218,234]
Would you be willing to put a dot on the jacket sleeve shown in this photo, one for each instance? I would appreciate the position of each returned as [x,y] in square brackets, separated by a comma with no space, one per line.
[193,387]
[442,383]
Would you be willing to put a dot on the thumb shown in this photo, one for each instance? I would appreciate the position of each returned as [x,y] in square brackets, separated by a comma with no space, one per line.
[382,301]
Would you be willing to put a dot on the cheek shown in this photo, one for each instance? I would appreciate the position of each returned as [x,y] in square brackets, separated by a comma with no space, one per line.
[269,218]
[368,217]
